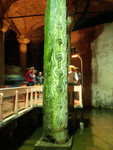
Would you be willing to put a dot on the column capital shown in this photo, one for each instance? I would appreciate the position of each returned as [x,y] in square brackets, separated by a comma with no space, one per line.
[23,51]
[4,26]
[23,40]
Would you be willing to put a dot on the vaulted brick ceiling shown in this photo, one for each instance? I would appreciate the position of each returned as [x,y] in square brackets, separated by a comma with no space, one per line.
[27,16]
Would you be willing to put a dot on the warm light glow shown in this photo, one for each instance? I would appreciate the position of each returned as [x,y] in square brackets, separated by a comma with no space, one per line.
[73,56]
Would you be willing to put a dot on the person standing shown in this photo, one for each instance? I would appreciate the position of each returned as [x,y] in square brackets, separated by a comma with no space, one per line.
[29,77]
[71,75]
[40,79]
[35,77]
[71,83]
[78,76]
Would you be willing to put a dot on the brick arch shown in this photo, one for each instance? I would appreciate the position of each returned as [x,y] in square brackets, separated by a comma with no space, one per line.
[6,6]
[34,27]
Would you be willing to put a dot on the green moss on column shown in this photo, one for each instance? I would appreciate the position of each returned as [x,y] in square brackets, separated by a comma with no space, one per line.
[55,105]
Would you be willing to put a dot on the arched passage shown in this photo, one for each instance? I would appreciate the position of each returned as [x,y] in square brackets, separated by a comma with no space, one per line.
[11,49]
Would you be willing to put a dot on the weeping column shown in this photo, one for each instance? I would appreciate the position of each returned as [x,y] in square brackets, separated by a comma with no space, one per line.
[55,107]
[23,52]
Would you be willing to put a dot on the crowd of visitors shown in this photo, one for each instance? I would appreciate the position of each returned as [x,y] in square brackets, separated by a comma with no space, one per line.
[33,77]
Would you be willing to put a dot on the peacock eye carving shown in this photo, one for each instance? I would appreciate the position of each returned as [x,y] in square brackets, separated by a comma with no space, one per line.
[59,89]
[60,106]
[59,73]
[59,122]
[59,26]
[59,12]
[59,57]
[59,41]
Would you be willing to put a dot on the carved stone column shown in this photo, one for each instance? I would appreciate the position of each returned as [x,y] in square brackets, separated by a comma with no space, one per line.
[55,108]
[23,52]
[3,29]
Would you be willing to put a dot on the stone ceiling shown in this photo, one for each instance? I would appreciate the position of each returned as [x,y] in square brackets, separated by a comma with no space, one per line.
[26,17]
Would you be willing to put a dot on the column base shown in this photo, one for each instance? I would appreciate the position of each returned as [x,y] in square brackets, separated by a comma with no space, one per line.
[42,145]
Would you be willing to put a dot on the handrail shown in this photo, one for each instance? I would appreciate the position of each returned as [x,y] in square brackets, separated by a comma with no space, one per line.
[11,96]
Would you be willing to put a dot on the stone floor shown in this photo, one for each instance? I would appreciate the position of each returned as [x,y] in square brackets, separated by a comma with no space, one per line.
[97,134]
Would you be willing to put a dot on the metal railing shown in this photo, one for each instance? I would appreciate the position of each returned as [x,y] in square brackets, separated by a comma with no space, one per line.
[14,102]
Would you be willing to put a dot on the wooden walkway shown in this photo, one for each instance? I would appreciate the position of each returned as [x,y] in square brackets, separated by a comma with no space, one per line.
[15,102]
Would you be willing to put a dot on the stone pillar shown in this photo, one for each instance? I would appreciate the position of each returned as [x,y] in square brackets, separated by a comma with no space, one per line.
[55,106]
[3,29]
[23,52]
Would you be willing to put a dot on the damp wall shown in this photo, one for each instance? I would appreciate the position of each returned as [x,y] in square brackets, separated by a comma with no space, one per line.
[95,46]
[102,68]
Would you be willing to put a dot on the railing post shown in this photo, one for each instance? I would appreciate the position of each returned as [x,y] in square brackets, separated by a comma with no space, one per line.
[31,98]
[27,95]
[16,104]
[1,107]
[35,97]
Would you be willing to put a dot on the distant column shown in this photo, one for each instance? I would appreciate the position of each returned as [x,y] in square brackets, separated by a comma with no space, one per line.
[3,29]
[23,52]
[70,25]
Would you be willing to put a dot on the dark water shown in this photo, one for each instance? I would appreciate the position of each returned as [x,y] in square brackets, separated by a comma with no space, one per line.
[22,140]
[97,133]
[29,142]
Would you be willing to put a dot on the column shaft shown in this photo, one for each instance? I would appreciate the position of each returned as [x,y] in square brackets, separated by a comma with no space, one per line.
[23,52]
[23,56]
[3,28]
[2,56]
[55,106]
[70,25]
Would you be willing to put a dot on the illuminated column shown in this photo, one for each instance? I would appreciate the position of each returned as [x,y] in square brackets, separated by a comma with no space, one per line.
[3,29]
[23,52]
[55,107]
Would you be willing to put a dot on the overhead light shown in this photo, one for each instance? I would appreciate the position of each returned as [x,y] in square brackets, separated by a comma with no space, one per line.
[73,56]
